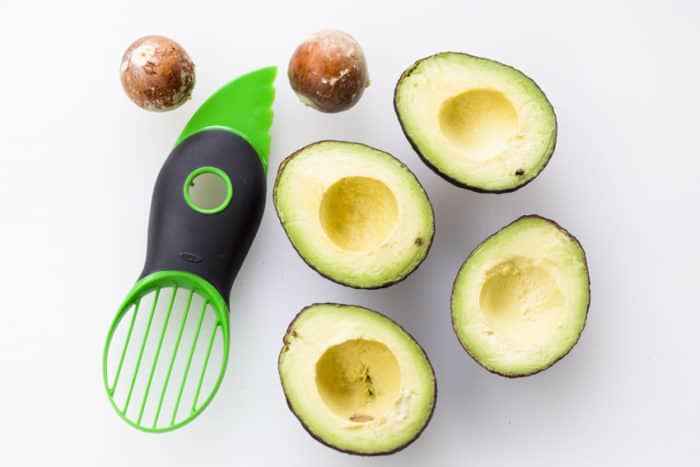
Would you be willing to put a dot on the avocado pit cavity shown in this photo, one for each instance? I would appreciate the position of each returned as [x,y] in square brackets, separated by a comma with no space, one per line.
[479,121]
[521,302]
[358,379]
[358,213]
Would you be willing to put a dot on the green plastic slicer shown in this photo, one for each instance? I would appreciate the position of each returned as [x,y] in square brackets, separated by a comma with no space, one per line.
[167,348]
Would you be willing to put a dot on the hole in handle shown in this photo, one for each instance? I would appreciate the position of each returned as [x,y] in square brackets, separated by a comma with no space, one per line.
[208,190]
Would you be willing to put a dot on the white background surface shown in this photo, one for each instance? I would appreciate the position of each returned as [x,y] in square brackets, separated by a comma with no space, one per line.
[77,166]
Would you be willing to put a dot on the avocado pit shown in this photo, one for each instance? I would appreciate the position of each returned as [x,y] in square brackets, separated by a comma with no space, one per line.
[157,73]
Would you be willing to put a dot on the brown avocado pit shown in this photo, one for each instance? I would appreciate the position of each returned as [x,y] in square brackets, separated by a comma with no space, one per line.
[328,71]
[157,73]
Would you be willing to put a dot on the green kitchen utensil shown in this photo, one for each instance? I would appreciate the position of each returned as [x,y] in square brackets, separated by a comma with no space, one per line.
[167,348]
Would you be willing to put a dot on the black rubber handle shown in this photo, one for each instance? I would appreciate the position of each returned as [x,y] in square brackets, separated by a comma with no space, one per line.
[212,246]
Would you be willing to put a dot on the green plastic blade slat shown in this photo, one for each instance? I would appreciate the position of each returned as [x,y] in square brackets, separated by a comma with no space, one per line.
[126,346]
[147,344]
[172,359]
[143,345]
[204,367]
[189,361]
[155,358]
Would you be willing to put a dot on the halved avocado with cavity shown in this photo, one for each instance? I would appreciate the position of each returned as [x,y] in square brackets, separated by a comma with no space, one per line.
[520,301]
[355,214]
[478,123]
[355,380]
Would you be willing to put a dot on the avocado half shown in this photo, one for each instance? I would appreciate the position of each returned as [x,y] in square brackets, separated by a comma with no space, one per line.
[355,214]
[476,122]
[355,379]
[520,300]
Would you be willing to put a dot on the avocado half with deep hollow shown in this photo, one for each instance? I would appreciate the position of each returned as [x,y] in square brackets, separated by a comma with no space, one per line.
[520,301]
[355,380]
[355,214]
[478,123]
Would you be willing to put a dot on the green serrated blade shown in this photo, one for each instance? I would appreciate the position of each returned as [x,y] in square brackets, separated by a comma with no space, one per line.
[243,106]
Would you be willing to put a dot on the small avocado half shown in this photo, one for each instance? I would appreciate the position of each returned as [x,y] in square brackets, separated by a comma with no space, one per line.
[355,214]
[520,300]
[355,380]
[476,122]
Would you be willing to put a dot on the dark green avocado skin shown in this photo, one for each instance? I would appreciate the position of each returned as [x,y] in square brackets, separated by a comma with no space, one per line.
[585,262]
[280,169]
[425,160]
[317,437]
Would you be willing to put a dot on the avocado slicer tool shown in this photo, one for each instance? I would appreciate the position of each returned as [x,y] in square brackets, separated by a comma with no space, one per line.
[167,348]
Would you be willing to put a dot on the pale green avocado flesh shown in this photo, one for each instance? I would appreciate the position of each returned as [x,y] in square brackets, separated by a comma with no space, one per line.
[355,380]
[520,300]
[354,213]
[479,123]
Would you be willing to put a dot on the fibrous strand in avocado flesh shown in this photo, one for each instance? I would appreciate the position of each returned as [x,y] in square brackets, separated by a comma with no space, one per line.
[367,379]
